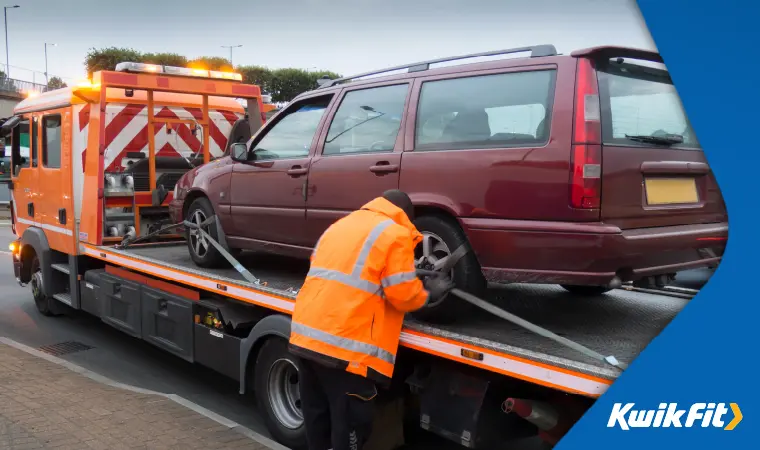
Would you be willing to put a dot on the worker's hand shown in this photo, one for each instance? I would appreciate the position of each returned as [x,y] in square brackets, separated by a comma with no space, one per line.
[438,287]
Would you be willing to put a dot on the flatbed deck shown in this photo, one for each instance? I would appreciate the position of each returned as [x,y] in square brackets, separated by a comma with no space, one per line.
[619,323]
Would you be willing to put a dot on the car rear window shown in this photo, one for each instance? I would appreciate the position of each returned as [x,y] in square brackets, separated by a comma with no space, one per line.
[487,111]
[639,100]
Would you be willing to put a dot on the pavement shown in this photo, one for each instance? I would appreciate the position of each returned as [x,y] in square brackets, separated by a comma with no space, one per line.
[47,402]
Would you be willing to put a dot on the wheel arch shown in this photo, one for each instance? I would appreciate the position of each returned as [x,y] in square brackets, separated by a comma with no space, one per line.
[275,325]
[192,196]
[34,243]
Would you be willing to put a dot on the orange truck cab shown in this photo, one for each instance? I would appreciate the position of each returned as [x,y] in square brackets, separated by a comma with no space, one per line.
[97,162]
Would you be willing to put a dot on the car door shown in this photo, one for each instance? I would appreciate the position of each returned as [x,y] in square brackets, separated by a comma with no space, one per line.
[268,192]
[359,155]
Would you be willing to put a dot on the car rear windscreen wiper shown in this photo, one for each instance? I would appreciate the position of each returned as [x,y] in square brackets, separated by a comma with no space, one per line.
[666,139]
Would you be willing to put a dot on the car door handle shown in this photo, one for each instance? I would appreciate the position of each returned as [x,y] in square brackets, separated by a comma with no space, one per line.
[297,171]
[383,167]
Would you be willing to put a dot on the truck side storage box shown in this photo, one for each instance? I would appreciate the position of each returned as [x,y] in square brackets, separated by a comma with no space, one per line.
[218,351]
[120,300]
[89,288]
[167,322]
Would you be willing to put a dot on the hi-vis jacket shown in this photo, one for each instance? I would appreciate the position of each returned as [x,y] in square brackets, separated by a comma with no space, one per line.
[362,280]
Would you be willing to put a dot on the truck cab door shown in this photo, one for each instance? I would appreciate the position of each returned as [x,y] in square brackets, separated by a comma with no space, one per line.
[53,203]
[24,172]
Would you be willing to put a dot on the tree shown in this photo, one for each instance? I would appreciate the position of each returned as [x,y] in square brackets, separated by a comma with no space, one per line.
[287,83]
[55,83]
[258,75]
[164,59]
[210,63]
[108,58]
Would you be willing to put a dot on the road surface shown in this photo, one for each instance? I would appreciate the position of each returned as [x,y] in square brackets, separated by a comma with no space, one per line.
[134,362]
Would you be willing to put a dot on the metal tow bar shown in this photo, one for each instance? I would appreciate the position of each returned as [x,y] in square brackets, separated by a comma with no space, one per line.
[495,310]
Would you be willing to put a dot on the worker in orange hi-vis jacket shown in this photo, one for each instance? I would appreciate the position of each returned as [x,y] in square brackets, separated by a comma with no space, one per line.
[348,317]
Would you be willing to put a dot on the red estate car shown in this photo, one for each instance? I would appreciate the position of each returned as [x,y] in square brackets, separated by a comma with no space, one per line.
[580,170]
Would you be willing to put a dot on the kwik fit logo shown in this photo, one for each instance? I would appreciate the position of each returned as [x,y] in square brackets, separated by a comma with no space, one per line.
[669,415]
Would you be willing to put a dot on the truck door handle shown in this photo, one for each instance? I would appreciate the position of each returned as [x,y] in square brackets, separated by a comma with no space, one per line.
[30,209]
[383,167]
[297,171]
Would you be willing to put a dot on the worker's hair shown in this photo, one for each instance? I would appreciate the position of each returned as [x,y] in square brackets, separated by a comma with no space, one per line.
[400,199]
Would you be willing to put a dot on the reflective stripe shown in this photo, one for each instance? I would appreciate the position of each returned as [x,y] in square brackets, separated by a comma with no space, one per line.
[355,279]
[344,343]
[368,244]
[340,277]
[398,278]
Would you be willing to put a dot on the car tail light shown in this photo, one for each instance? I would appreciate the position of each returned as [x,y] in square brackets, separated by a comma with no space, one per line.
[586,174]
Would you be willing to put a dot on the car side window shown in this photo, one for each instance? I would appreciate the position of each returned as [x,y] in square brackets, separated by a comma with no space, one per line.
[292,134]
[486,111]
[367,121]
[51,141]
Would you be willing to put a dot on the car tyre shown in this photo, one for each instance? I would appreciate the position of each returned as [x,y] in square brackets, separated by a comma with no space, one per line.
[446,236]
[586,291]
[203,253]
[278,395]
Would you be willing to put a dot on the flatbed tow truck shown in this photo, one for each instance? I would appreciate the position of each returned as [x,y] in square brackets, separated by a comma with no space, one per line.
[479,382]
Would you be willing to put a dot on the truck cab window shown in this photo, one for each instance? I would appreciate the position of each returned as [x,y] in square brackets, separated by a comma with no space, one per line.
[51,141]
[20,146]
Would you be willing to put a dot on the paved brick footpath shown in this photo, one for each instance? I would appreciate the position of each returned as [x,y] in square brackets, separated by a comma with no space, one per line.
[46,405]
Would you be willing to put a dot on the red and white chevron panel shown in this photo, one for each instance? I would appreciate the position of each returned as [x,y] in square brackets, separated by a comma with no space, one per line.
[127,131]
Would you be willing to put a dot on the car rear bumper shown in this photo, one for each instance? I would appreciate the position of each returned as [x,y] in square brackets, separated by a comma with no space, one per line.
[589,253]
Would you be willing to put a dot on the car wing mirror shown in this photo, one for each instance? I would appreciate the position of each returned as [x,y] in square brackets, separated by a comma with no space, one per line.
[239,152]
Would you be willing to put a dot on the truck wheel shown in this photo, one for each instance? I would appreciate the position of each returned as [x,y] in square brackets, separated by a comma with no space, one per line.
[588,291]
[41,300]
[440,238]
[203,253]
[278,395]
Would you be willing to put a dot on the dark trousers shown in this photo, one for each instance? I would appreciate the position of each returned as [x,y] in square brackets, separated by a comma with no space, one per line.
[338,407]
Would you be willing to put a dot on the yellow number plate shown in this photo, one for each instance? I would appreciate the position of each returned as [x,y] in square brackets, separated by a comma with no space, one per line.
[669,191]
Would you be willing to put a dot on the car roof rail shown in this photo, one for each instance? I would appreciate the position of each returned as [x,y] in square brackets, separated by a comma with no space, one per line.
[536,51]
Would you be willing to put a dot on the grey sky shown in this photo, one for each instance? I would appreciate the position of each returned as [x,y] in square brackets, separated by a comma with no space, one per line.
[346,36]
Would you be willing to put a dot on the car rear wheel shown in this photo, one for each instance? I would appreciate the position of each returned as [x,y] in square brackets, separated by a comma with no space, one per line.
[203,253]
[587,291]
[276,384]
[441,237]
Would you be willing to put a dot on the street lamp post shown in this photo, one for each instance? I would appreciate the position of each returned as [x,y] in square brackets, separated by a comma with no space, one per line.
[231,47]
[46,64]
[7,59]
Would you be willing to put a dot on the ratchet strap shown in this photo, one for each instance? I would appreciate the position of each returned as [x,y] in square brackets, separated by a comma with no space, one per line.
[495,310]
[231,259]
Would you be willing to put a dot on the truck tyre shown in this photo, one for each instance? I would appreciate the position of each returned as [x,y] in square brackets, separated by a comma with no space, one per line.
[41,300]
[278,395]
[203,253]
[586,291]
[443,236]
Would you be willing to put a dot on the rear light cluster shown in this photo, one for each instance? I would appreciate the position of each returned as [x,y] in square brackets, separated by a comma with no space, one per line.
[586,174]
